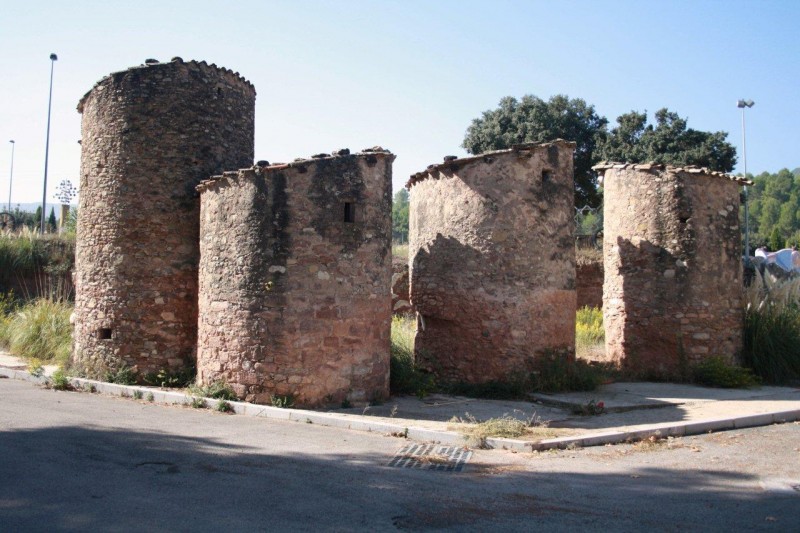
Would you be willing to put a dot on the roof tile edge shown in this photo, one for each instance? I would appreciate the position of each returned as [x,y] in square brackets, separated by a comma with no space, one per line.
[200,64]
[453,164]
[256,170]
[602,166]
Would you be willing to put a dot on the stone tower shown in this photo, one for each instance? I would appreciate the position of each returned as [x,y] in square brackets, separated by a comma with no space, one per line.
[492,262]
[672,257]
[295,270]
[149,135]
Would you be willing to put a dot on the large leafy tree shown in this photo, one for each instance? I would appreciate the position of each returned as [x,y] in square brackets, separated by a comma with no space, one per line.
[669,140]
[532,119]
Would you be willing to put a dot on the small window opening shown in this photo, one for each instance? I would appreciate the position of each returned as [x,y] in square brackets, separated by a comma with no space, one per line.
[545,175]
[349,212]
[104,333]
[219,92]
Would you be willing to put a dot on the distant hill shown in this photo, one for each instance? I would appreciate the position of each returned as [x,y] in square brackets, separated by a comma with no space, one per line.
[796,171]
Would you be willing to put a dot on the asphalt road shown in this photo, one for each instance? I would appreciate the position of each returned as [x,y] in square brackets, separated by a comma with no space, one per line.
[79,461]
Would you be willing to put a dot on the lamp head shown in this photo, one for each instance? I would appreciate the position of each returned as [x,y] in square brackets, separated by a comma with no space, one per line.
[744,103]
[11,141]
[53,57]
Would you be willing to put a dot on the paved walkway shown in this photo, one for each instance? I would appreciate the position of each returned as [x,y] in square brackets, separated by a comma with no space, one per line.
[631,411]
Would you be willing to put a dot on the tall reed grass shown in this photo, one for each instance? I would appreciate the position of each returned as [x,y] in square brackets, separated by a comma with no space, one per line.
[772,329]
[38,266]
[39,330]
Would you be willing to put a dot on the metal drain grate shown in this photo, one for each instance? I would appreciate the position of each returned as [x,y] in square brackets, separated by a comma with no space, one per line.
[432,457]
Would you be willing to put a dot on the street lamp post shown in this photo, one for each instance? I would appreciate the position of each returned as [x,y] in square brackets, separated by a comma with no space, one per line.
[11,174]
[53,59]
[743,104]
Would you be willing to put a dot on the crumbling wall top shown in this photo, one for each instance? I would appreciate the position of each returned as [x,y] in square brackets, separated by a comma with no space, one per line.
[601,167]
[263,167]
[452,163]
[233,77]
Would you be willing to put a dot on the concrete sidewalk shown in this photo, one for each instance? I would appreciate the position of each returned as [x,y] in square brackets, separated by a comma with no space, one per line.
[631,411]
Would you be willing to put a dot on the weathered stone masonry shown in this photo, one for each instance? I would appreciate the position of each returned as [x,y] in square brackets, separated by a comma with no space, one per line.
[672,258]
[492,261]
[150,134]
[295,269]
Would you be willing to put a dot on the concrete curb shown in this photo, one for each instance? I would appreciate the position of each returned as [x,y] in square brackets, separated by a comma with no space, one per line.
[363,423]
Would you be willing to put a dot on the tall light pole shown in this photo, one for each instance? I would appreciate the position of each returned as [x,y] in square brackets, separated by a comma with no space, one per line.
[11,174]
[53,59]
[742,104]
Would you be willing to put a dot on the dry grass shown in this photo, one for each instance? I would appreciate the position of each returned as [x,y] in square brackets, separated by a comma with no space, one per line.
[400,250]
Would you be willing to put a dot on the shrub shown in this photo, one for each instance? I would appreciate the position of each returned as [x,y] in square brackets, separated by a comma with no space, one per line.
[219,390]
[772,329]
[166,378]
[284,402]
[39,329]
[123,375]
[224,407]
[60,381]
[404,376]
[555,373]
[715,372]
[589,326]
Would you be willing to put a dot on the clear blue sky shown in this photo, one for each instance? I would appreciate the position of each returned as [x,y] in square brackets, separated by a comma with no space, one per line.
[407,75]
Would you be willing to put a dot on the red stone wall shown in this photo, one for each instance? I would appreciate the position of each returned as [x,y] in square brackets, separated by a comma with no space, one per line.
[492,262]
[294,299]
[589,284]
[150,134]
[673,290]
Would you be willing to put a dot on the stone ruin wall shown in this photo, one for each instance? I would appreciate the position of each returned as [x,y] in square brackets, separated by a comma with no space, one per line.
[492,261]
[589,284]
[294,284]
[150,134]
[673,272]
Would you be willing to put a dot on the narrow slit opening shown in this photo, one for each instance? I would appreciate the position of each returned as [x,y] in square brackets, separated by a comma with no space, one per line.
[349,212]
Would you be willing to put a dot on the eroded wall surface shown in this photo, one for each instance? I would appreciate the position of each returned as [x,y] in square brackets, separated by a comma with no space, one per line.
[673,272]
[149,135]
[295,271]
[492,262]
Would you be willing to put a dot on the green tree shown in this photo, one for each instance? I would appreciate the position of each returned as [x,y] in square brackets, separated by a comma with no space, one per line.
[400,216]
[775,240]
[51,220]
[532,119]
[668,141]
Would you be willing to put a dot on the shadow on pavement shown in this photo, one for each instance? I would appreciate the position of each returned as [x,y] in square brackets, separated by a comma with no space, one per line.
[82,478]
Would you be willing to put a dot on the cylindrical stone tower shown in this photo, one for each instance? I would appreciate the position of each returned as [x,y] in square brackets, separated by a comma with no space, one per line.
[492,262]
[673,289]
[295,270]
[150,134]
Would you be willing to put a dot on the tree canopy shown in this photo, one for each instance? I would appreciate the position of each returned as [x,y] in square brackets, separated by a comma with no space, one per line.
[668,141]
[531,119]
[400,216]
[633,140]
[775,209]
